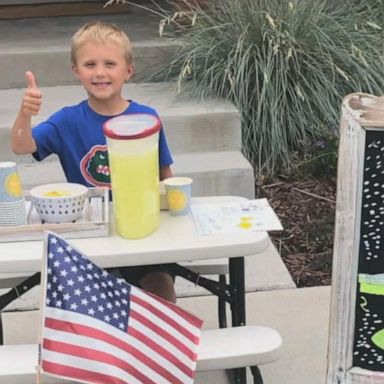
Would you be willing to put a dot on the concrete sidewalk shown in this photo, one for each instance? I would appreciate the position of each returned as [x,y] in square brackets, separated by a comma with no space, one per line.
[300,315]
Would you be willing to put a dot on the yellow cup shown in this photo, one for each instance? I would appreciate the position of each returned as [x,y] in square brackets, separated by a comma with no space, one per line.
[178,192]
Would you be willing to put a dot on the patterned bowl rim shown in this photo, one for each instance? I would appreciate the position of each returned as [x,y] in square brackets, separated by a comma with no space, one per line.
[74,190]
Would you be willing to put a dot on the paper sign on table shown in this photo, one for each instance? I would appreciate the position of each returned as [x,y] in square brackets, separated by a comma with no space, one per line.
[238,217]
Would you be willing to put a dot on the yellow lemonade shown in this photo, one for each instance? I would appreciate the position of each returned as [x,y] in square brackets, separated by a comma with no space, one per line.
[135,188]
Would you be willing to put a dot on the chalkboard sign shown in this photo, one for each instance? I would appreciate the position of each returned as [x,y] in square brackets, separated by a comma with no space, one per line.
[356,338]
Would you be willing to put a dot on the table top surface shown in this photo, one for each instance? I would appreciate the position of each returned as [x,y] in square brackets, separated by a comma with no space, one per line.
[176,240]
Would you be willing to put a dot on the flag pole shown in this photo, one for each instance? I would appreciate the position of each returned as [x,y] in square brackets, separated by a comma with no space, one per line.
[42,302]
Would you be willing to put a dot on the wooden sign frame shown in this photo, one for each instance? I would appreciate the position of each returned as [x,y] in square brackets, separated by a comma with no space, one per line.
[349,243]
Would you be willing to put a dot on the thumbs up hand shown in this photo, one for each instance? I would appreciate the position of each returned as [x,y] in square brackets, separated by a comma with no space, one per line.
[32,98]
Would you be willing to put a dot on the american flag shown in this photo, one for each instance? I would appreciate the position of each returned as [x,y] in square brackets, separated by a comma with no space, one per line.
[99,329]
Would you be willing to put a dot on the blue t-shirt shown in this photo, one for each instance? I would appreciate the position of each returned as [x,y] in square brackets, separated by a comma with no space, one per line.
[76,135]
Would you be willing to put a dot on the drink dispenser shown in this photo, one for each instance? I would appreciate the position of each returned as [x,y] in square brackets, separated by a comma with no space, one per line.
[134,166]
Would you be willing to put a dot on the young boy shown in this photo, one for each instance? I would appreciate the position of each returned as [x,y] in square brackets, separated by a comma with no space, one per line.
[101,56]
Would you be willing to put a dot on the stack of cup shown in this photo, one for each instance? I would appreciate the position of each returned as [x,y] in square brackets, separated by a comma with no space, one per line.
[12,202]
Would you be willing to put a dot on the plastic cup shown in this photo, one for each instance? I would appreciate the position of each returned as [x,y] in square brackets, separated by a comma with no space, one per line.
[134,165]
[13,213]
[178,192]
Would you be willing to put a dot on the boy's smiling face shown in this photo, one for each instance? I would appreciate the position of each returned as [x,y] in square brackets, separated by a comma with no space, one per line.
[102,69]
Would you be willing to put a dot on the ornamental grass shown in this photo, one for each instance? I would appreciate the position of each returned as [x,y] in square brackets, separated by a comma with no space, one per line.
[286,65]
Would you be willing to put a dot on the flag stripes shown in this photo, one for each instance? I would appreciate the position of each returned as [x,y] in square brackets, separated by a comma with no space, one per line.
[99,329]
[63,335]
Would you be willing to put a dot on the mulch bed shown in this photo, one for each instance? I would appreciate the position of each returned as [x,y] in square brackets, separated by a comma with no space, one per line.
[307,211]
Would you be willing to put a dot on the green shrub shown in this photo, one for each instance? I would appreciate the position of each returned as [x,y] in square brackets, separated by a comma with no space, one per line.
[319,160]
[285,64]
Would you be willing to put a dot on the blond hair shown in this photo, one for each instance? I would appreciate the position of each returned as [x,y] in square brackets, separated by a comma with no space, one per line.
[101,32]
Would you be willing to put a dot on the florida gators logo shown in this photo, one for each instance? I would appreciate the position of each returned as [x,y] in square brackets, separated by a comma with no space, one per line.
[95,166]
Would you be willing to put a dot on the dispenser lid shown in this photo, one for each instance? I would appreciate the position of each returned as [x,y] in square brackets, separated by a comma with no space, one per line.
[132,126]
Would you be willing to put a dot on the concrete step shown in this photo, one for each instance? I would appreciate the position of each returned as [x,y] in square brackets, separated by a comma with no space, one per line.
[214,173]
[42,45]
[190,124]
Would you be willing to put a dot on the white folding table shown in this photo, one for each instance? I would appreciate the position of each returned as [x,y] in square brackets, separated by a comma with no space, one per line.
[176,240]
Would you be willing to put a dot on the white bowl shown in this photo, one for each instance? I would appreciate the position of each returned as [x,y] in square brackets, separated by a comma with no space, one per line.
[59,202]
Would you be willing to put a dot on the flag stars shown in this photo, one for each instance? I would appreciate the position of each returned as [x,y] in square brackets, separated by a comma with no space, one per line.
[76,284]
[80,279]
[64,273]
[66,297]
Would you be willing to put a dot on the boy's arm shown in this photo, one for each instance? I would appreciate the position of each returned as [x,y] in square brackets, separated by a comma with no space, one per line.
[165,172]
[22,141]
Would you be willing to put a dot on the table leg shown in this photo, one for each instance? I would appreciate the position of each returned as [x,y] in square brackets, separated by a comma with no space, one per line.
[237,282]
